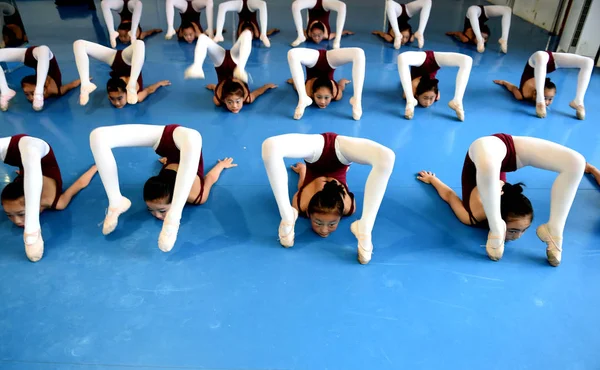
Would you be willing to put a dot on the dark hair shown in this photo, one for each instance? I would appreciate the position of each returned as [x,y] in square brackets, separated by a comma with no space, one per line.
[322,82]
[328,200]
[427,84]
[246,25]
[485,29]
[10,35]
[406,27]
[116,85]
[231,87]
[31,80]
[513,203]
[161,186]
[549,84]
[124,26]
[317,25]
[13,190]
[186,24]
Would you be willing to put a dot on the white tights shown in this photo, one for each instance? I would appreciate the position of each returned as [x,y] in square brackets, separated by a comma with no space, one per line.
[188,141]
[240,52]
[417,58]
[488,152]
[394,10]
[43,55]
[348,150]
[336,58]
[236,6]
[503,11]
[133,55]
[329,5]
[134,6]
[181,5]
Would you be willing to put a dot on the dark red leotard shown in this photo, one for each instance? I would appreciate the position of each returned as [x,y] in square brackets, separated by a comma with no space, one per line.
[225,73]
[322,69]
[529,71]
[191,15]
[402,21]
[247,15]
[49,164]
[428,68]
[319,14]
[126,15]
[53,69]
[167,148]
[121,69]
[482,19]
[469,175]
[328,165]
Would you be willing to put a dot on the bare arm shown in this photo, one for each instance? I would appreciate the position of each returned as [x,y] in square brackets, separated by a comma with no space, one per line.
[148,33]
[213,176]
[510,87]
[70,86]
[448,195]
[341,87]
[459,36]
[261,90]
[213,87]
[142,95]
[77,186]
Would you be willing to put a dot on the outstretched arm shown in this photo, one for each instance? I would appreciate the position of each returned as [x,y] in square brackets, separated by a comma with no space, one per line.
[142,95]
[70,86]
[448,195]
[459,36]
[341,86]
[77,186]
[213,176]
[510,87]
[261,90]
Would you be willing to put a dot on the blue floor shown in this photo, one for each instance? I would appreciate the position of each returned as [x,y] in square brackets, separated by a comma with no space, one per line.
[229,296]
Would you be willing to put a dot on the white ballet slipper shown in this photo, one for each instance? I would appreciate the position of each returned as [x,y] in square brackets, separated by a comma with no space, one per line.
[168,236]
[580,110]
[34,245]
[5,98]
[553,245]
[111,220]
[365,245]
[298,41]
[286,239]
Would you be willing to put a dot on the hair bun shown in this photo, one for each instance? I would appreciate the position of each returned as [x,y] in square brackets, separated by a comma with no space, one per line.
[333,187]
[513,189]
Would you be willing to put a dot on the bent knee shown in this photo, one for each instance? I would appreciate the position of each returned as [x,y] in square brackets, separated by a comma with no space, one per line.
[387,158]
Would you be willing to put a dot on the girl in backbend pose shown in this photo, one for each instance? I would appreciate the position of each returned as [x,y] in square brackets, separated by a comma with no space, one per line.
[399,31]
[477,32]
[180,181]
[37,187]
[246,10]
[323,195]
[318,28]
[126,85]
[45,83]
[130,12]
[320,85]
[536,87]
[417,71]
[232,89]
[489,201]
[189,10]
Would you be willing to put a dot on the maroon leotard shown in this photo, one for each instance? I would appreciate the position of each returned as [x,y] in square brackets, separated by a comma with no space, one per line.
[53,69]
[318,14]
[121,69]
[328,165]
[469,175]
[49,164]
[225,72]
[322,69]
[529,71]
[246,15]
[482,19]
[126,15]
[402,21]
[192,16]
[428,68]
[167,148]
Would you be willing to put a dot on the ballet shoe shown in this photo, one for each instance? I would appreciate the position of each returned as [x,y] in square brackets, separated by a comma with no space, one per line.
[112,216]
[85,91]
[302,104]
[365,245]
[298,41]
[554,245]
[113,39]
[240,74]
[580,110]
[540,110]
[397,42]
[194,71]
[494,247]
[287,239]
[34,245]
[265,41]
[409,111]
[170,33]
[131,36]
[168,236]
[337,44]
[218,38]
[209,32]
[503,45]
[132,95]
[420,39]
[5,98]
[458,108]
[356,108]
[38,102]
[480,47]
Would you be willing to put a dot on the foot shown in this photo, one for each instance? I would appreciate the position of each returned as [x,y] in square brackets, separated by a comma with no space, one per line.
[298,41]
[286,231]
[503,45]
[170,33]
[494,246]
[365,245]
[409,111]
[209,32]
[218,38]
[168,236]
[240,74]
[5,98]
[540,110]
[458,108]
[480,47]
[580,110]
[112,216]
[131,36]
[85,91]
[302,104]
[337,43]
[113,36]
[38,102]
[397,42]
[356,108]
[34,245]
[265,41]
[420,39]
[194,71]
[132,95]
[554,244]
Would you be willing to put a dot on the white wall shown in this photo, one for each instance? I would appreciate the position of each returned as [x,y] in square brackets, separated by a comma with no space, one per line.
[589,40]
[539,12]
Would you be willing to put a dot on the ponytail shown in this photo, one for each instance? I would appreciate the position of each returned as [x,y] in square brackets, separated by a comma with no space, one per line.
[513,203]
[328,200]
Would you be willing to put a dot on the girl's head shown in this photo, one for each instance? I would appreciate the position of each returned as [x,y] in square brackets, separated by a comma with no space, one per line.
[549,92]
[326,208]
[13,201]
[316,32]
[427,91]
[28,85]
[117,92]
[158,193]
[406,33]
[13,35]
[187,32]
[322,91]
[123,31]
[516,210]
[233,94]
